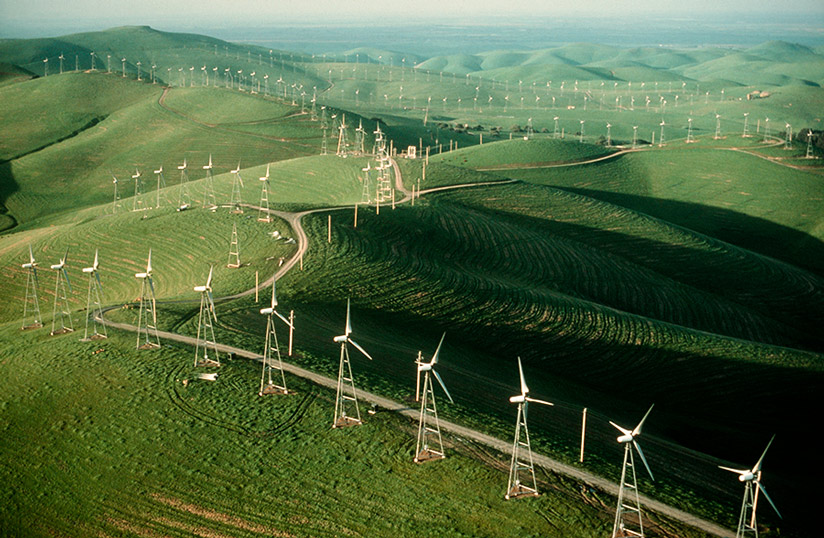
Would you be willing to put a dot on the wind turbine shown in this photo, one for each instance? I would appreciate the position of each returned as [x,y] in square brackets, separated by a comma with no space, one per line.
[31,295]
[137,201]
[183,194]
[209,188]
[661,138]
[147,315]
[160,182]
[627,438]
[237,183]
[428,426]
[609,134]
[272,346]
[342,417]
[61,58]
[752,485]
[690,139]
[717,126]
[94,303]
[61,284]
[519,466]
[116,198]
[205,326]
[263,211]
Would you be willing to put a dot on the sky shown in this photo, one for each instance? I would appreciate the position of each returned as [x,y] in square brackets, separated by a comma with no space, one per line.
[270,11]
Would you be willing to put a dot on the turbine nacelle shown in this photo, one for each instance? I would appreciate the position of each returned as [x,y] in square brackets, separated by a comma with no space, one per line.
[338,339]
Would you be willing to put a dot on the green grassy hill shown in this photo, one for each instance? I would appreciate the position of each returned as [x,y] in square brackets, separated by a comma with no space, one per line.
[690,272]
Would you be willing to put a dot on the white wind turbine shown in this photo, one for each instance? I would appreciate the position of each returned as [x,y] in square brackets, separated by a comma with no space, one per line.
[62,289]
[428,426]
[237,183]
[161,183]
[183,195]
[342,399]
[521,467]
[272,348]
[205,328]
[147,315]
[752,485]
[31,295]
[94,303]
[621,526]
[116,197]
[263,206]
[209,198]
[137,200]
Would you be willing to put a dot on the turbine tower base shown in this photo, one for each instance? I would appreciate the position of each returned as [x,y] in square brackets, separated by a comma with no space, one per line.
[519,490]
[428,454]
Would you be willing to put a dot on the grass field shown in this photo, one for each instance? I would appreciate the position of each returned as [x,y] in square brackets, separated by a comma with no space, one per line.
[691,272]
[158,457]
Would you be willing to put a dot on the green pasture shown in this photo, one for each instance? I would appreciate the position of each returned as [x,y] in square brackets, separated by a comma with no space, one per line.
[124,240]
[142,136]
[728,195]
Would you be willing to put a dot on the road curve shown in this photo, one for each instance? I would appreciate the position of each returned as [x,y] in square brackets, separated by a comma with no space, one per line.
[294,220]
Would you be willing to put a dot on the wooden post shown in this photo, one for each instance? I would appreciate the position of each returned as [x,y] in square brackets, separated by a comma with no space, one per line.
[583,434]
[356,215]
[427,153]
[482,139]
[256,286]
[329,229]
[419,187]
[413,194]
[292,323]
[393,199]
[424,171]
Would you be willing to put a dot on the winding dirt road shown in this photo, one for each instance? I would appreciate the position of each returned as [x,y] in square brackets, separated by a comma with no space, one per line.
[456,430]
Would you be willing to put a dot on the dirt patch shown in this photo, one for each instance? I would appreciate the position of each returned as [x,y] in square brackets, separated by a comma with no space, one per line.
[220,517]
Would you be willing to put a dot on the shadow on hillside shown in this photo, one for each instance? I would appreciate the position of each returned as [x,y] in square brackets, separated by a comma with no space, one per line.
[8,186]
[753,233]
[704,402]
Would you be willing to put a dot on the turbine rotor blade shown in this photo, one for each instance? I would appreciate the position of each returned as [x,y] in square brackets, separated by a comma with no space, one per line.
[539,401]
[212,305]
[619,428]
[286,321]
[764,491]
[66,276]
[437,351]
[637,430]
[438,377]
[524,388]
[641,453]
[31,255]
[209,278]
[95,264]
[738,471]
[149,263]
[274,292]
[367,355]
[348,330]
[761,459]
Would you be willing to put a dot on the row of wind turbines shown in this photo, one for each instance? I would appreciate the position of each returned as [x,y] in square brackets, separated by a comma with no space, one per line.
[521,480]
[184,196]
